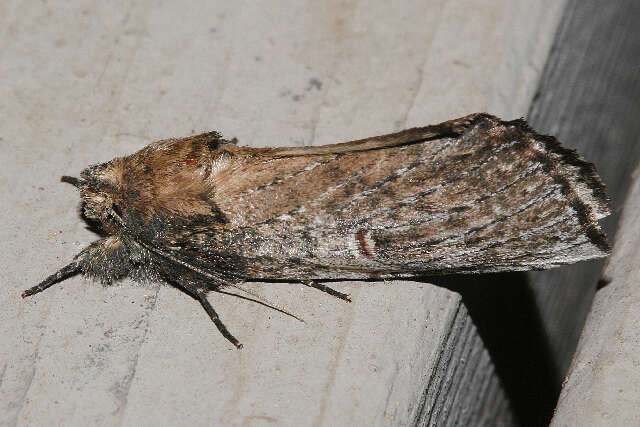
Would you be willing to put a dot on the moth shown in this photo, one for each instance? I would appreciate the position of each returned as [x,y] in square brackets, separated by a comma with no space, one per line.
[470,195]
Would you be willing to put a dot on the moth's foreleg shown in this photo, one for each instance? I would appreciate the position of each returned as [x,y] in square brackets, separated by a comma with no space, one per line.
[65,272]
[202,296]
[325,288]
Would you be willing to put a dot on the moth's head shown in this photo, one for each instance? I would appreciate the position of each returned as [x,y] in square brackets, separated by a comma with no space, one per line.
[99,186]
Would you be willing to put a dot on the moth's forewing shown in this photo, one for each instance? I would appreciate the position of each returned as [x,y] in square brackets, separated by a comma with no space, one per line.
[471,195]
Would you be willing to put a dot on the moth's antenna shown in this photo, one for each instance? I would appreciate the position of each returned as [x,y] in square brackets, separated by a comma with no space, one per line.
[76,182]
[65,272]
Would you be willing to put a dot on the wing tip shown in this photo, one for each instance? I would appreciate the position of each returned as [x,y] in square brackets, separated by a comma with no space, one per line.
[585,191]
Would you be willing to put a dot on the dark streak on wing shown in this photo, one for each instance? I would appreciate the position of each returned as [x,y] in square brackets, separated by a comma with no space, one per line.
[582,211]
[363,246]
[451,128]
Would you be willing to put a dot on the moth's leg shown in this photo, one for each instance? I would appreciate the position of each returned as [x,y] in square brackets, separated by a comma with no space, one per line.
[65,272]
[202,297]
[195,290]
[325,288]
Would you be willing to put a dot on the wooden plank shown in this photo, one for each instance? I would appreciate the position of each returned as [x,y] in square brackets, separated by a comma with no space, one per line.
[86,82]
[590,98]
[603,384]
[604,109]
[530,322]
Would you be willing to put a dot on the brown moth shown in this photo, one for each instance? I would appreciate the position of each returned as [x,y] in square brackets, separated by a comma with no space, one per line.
[475,194]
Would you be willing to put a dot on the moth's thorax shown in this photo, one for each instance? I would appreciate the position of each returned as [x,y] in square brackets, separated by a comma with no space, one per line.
[164,181]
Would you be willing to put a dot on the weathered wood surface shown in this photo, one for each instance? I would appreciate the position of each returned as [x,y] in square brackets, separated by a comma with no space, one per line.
[589,97]
[601,387]
[86,81]
[603,384]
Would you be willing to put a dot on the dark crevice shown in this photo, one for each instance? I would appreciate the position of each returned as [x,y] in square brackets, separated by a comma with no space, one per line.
[503,308]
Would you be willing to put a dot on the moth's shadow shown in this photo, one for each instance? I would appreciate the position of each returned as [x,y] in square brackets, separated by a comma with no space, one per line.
[503,308]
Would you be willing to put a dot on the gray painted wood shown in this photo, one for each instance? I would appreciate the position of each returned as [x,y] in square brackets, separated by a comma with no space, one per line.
[88,81]
[464,388]
[589,97]
[603,384]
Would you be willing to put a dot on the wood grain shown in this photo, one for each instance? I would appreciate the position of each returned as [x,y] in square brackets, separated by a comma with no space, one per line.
[90,81]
